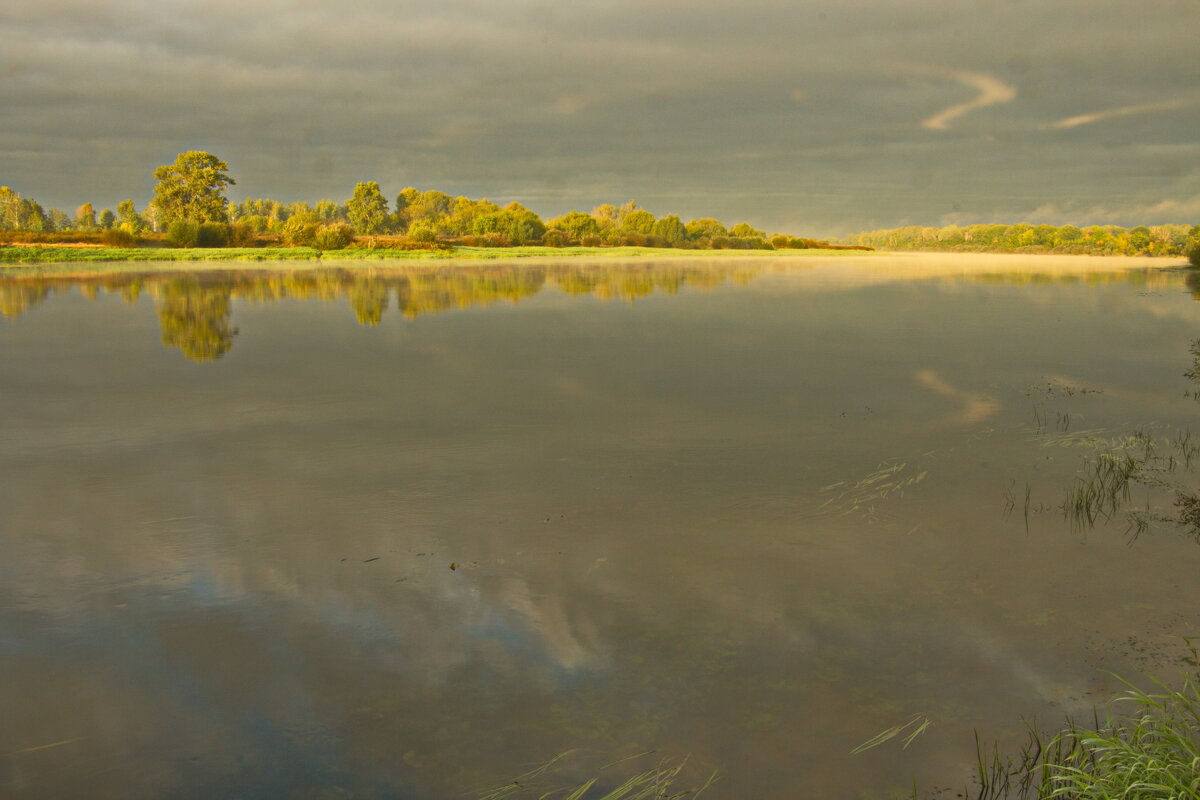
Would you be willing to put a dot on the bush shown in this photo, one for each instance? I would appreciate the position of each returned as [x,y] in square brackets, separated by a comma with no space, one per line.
[1193,252]
[554,238]
[118,237]
[300,231]
[423,234]
[213,234]
[590,241]
[243,234]
[333,237]
[182,233]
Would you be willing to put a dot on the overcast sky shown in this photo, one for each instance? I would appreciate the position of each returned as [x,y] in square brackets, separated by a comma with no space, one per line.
[811,116]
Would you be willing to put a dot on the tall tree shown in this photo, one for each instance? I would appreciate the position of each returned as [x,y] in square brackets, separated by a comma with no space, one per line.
[10,209]
[671,229]
[128,217]
[192,188]
[367,210]
[85,217]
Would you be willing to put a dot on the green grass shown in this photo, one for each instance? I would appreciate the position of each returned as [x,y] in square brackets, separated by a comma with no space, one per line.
[42,254]
[1149,750]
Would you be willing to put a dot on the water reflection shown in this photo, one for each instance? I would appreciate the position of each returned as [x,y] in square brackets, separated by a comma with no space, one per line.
[755,523]
[195,309]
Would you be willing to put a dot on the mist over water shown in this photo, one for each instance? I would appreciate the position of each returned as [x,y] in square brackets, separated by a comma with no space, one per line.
[751,511]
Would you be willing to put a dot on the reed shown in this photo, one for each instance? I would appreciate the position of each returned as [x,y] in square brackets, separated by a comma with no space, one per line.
[1147,747]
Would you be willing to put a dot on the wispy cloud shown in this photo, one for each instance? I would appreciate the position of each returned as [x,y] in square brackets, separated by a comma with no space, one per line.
[1124,111]
[1183,210]
[991,89]
[976,407]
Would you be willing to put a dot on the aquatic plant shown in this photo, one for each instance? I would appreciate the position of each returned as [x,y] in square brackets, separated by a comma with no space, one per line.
[659,782]
[1150,751]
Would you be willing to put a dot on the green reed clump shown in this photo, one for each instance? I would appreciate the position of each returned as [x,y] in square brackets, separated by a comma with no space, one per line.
[1103,489]
[1151,751]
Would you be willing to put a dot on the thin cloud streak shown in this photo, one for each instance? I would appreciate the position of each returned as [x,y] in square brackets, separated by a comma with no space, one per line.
[992,91]
[1124,111]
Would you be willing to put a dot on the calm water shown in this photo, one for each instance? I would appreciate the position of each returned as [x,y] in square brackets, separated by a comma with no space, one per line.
[402,534]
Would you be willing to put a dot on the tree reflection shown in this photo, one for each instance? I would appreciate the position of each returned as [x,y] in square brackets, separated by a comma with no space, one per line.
[195,309]
[195,318]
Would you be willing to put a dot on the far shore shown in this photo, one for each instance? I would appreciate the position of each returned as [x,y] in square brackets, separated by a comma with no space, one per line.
[25,255]
[58,258]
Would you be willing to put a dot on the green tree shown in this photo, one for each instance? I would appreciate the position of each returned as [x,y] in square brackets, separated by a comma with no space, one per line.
[192,188]
[637,220]
[1193,250]
[576,224]
[367,209]
[744,231]
[85,217]
[706,227]
[10,209]
[107,219]
[670,229]
[128,218]
[57,220]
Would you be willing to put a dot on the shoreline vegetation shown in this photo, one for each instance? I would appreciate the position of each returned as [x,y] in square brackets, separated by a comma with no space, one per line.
[30,254]
[1025,238]
[190,219]
[190,213]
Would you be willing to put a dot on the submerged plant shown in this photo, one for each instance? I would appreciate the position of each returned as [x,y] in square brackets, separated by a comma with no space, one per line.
[659,782]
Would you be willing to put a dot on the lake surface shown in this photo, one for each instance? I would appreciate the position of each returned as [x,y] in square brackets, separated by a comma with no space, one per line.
[403,533]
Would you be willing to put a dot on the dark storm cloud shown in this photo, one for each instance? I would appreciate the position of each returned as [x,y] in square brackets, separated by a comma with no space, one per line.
[809,116]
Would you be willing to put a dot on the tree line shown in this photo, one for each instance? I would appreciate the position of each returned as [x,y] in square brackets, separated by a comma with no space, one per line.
[1156,240]
[190,209]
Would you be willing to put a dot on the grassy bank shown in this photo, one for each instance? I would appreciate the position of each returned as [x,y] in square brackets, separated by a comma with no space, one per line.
[50,254]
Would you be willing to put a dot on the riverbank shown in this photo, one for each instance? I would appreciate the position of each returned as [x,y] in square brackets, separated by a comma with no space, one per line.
[49,254]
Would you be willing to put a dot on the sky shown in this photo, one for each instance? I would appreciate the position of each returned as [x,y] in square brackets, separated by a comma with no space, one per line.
[814,117]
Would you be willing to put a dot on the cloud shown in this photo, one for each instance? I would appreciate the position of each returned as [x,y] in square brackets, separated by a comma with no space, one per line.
[1124,111]
[992,91]
[1169,210]
[976,407]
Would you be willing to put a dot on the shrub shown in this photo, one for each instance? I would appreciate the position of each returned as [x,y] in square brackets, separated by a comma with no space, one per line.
[554,238]
[300,231]
[495,240]
[242,234]
[182,233]
[590,241]
[1193,252]
[118,237]
[333,237]
[423,234]
[213,234]
[635,239]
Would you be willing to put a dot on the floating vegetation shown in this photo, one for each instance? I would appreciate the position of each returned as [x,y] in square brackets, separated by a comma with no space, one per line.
[908,731]
[1058,386]
[659,782]
[887,482]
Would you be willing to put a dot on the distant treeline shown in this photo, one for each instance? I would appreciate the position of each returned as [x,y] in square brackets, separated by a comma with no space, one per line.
[417,219]
[1108,240]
